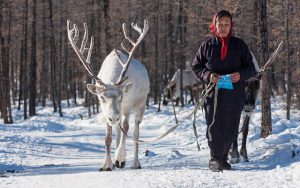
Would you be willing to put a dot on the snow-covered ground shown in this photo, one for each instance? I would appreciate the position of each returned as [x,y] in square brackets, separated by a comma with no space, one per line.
[50,151]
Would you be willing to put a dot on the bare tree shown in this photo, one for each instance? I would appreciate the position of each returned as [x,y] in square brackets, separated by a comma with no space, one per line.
[32,83]
[288,65]
[23,61]
[8,100]
[156,60]
[4,66]
[44,62]
[13,63]
[266,124]
[182,42]
[2,102]
[55,68]
[66,83]
[106,6]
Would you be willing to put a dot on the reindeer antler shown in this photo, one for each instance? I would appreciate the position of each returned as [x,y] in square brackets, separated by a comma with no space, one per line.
[142,33]
[272,58]
[73,37]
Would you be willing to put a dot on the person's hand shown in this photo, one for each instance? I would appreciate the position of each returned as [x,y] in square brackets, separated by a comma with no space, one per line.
[214,78]
[235,77]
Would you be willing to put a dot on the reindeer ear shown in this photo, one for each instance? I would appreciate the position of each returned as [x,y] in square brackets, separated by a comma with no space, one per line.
[94,89]
[126,86]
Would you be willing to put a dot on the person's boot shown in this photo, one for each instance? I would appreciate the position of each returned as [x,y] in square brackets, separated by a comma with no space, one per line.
[226,165]
[215,165]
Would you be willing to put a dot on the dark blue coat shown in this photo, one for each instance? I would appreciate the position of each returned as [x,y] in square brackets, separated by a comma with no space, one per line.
[229,102]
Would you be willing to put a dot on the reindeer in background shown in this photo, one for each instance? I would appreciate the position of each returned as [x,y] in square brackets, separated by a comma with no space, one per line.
[122,86]
[189,83]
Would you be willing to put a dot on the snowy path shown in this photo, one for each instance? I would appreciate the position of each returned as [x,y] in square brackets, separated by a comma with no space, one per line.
[48,151]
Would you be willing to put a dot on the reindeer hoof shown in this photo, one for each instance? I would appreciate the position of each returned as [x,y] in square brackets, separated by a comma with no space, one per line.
[136,167]
[246,160]
[118,165]
[107,169]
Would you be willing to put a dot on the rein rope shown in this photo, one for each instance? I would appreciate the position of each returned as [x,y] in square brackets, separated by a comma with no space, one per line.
[215,109]
[199,104]
[173,106]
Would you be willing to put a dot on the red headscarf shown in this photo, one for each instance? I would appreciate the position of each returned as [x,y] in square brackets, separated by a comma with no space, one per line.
[224,40]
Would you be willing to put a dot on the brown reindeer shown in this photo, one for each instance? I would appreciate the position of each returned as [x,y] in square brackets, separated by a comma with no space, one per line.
[252,91]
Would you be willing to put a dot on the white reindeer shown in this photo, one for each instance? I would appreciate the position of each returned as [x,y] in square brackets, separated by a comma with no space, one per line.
[120,92]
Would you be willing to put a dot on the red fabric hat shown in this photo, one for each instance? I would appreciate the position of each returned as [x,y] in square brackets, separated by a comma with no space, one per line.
[224,40]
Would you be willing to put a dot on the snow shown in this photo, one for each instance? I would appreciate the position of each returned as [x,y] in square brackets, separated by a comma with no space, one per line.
[51,151]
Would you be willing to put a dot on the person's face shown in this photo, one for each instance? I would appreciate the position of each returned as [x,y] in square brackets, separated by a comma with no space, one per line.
[223,26]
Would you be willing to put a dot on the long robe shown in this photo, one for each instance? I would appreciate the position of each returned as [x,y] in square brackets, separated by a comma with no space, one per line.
[230,103]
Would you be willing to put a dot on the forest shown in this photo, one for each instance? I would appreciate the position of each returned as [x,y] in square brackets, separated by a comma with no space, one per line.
[40,68]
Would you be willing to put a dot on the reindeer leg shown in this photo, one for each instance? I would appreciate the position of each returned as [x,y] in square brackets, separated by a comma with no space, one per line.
[120,156]
[138,116]
[107,164]
[165,102]
[177,101]
[136,132]
[234,154]
[243,150]
[118,136]
[192,97]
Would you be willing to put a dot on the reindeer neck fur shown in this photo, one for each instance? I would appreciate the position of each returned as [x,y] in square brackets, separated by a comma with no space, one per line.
[137,75]
[111,69]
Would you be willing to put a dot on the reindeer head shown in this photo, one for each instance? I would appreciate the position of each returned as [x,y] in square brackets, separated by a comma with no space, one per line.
[253,84]
[168,92]
[251,92]
[110,97]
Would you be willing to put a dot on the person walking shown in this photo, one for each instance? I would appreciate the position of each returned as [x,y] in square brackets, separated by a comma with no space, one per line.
[221,57]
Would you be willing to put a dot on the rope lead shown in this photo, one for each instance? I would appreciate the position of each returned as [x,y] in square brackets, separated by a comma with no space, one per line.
[215,109]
